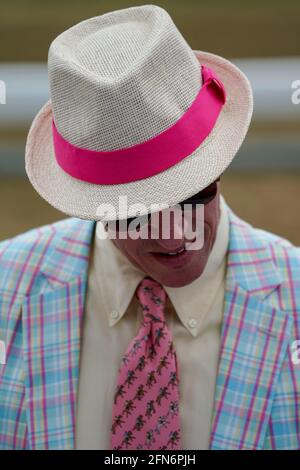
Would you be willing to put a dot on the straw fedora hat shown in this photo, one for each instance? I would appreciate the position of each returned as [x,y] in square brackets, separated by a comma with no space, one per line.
[134,112]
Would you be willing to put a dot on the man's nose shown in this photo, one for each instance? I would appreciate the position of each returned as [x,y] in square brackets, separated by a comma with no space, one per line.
[169,227]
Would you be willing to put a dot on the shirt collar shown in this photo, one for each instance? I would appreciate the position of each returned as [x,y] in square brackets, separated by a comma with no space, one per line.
[118,279]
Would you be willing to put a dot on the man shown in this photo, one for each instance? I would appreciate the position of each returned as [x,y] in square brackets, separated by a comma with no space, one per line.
[145,342]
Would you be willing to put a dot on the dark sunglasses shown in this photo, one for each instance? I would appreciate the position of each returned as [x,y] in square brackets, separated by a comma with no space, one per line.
[203,197]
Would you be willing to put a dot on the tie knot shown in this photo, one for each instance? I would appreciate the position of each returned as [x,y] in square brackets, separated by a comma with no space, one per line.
[152,297]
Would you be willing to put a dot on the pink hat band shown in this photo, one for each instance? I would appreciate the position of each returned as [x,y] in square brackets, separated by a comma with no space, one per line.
[154,155]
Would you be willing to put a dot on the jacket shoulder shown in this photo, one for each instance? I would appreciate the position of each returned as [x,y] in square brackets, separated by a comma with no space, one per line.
[251,236]
[284,252]
[22,255]
[286,258]
[263,246]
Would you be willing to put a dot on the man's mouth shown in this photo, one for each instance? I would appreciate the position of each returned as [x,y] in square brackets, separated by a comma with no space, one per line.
[174,253]
[170,253]
[174,259]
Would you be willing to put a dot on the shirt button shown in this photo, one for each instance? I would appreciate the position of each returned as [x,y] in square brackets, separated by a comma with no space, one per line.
[192,323]
[114,314]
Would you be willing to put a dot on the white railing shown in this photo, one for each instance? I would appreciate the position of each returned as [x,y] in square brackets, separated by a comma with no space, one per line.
[271,79]
[26,89]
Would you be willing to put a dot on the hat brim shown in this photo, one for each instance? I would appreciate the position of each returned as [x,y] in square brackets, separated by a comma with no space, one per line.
[82,199]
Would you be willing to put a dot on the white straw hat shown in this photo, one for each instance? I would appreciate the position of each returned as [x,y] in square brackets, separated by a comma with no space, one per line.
[122,86]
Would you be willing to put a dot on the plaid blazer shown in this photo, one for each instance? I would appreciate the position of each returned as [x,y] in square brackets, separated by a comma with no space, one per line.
[43,278]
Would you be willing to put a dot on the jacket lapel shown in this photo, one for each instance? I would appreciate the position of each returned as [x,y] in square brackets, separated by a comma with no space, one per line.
[255,337]
[52,328]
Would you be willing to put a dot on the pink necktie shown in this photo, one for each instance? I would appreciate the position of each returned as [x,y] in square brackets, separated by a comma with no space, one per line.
[146,402]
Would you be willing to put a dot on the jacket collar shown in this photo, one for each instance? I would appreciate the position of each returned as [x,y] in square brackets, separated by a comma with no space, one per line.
[254,340]
[250,259]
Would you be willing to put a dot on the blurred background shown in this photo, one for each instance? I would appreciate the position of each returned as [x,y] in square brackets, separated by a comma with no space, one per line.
[261,37]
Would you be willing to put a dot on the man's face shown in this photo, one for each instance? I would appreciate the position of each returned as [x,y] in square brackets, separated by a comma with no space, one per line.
[152,255]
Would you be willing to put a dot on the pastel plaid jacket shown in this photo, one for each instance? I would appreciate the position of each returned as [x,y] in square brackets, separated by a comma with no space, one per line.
[43,278]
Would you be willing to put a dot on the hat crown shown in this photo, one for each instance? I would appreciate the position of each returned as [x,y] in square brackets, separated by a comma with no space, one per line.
[120,79]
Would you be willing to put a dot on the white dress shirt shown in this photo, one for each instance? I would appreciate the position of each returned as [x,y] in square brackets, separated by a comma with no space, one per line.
[112,319]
